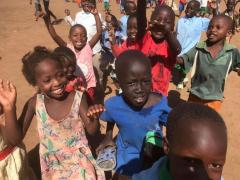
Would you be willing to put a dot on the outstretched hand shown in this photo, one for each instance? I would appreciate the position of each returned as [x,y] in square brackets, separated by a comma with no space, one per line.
[95,111]
[8,95]
[94,11]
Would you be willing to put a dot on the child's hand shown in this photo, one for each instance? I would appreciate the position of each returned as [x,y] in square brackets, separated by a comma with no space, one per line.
[95,111]
[94,11]
[8,95]
[107,141]
[179,60]
[67,12]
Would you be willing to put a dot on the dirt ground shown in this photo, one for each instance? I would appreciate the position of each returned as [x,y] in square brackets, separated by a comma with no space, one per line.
[19,33]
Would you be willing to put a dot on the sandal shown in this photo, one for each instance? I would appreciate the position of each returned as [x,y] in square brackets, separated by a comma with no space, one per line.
[106,160]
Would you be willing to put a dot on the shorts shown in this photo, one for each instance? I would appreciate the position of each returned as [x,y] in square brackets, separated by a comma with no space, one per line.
[214,104]
[181,6]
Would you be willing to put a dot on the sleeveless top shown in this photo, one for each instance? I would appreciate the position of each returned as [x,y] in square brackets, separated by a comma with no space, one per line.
[64,149]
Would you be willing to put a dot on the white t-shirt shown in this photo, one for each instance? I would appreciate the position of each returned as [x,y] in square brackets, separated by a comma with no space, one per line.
[88,21]
[203,3]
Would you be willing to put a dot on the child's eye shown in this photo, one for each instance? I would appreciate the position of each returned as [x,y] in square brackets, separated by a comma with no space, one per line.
[47,80]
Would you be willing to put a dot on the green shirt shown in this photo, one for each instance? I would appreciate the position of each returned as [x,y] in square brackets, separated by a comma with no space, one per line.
[208,74]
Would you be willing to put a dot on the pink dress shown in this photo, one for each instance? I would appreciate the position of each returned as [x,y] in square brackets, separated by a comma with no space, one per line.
[64,151]
[85,64]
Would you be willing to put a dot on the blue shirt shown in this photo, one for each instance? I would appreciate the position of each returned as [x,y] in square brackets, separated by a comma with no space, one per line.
[123,21]
[158,171]
[133,126]
[189,31]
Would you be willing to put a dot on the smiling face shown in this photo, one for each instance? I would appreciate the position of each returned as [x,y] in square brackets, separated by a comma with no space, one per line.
[78,37]
[200,157]
[132,29]
[50,78]
[218,29]
[162,22]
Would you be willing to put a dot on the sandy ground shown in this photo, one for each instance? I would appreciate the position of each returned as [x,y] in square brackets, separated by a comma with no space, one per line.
[19,33]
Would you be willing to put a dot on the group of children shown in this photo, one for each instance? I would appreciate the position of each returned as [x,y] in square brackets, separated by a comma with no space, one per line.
[65,102]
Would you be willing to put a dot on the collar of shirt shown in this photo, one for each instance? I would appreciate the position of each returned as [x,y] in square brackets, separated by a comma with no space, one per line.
[226,48]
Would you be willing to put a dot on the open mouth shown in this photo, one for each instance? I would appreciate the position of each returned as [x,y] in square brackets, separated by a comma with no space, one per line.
[140,99]
[58,91]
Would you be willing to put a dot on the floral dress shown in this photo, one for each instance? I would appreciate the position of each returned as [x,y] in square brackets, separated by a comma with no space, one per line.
[64,149]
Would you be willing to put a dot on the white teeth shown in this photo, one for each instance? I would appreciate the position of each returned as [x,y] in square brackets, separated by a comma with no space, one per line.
[58,91]
[139,99]
[78,43]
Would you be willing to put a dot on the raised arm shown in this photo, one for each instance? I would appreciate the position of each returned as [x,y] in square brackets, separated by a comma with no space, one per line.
[141,18]
[174,44]
[89,116]
[8,95]
[97,36]
[53,33]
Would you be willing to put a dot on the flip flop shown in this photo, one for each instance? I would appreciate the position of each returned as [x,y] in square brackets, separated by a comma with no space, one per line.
[106,160]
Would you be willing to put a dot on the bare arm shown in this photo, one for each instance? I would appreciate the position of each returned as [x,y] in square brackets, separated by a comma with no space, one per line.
[53,33]
[97,36]
[141,18]
[91,121]
[8,95]
[173,42]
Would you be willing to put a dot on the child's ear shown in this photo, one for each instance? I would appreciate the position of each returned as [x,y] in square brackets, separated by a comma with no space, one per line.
[165,146]
[229,33]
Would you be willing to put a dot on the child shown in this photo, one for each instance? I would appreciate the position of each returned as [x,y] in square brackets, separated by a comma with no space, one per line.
[87,19]
[189,29]
[130,9]
[195,146]
[81,48]
[159,43]
[68,60]
[135,112]
[131,42]
[233,14]
[13,160]
[62,119]
[212,61]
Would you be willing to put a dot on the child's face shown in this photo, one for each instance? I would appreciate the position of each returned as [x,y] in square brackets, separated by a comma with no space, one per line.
[69,68]
[162,22]
[50,78]
[87,6]
[132,29]
[131,8]
[136,84]
[218,30]
[200,157]
[78,37]
[191,9]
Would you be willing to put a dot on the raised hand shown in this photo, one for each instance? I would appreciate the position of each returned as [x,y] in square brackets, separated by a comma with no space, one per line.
[95,111]
[94,11]
[8,95]
[67,12]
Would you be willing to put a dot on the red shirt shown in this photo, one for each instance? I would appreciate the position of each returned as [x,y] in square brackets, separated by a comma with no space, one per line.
[118,49]
[162,63]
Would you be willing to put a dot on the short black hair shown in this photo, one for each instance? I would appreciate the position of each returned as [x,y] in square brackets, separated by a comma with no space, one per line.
[128,58]
[228,20]
[190,113]
[127,5]
[77,26]
[196,3]
[133,16]
[66,53]
[163,8]
[32,59]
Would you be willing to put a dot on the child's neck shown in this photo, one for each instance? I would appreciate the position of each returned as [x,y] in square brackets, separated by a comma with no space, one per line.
[215,48]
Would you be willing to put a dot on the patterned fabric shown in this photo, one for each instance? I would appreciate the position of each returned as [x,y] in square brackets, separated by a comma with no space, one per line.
[64,150]
[15,165]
